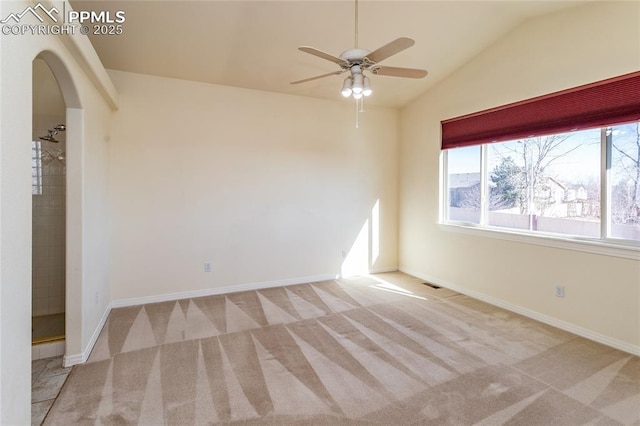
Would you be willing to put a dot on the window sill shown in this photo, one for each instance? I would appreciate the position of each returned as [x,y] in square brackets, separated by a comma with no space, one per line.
[629,250]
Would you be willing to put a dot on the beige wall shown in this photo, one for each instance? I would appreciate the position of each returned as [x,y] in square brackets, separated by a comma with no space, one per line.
[577,46]
[87,117]
[267,187]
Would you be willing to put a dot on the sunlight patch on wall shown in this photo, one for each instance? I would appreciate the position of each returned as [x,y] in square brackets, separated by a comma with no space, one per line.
[357,260]
[366,248]
[375,232]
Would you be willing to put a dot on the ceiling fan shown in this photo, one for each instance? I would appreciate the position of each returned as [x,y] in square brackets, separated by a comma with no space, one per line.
[358,60]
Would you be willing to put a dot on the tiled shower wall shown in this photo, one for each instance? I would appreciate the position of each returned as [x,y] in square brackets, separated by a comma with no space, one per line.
[48,196]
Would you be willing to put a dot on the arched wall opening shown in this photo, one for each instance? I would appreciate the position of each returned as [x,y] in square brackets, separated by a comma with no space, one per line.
[72,159]
[48,183]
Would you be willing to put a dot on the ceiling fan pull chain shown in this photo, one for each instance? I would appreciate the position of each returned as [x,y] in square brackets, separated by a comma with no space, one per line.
[357,114]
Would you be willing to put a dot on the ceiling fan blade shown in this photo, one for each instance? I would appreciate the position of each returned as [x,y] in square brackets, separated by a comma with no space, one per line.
[317,77]
[320,54]
[399,72]
[390,49]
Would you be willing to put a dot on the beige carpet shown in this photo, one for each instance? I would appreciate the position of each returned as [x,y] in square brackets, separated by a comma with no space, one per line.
[372,350]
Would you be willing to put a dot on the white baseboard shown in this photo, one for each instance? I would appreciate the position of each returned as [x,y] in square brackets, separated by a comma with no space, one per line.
[121,303]
[70,360]
[378,270]
[383,269]
[563,325]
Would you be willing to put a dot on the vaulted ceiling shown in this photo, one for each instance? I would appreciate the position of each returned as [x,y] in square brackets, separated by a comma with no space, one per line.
[254,44]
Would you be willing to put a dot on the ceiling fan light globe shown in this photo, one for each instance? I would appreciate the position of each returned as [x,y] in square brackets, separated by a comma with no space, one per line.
[346,87]
[357,95]
[367,90]
[358,85]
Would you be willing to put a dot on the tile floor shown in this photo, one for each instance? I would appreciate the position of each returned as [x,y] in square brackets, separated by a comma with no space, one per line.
[47,377]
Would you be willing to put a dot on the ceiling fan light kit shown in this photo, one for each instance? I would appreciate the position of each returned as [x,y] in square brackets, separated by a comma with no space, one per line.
[357,85]
[357,61]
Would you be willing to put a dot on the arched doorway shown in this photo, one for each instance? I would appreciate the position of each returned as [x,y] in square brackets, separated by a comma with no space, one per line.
[48,192]
[73,134]
[56,152]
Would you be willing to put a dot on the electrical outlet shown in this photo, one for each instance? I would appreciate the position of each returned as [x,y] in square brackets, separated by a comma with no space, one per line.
[96,297]
[207,266]
[344,254]
[559,290]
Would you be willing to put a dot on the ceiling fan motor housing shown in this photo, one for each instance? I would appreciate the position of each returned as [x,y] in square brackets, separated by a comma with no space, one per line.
[354,55]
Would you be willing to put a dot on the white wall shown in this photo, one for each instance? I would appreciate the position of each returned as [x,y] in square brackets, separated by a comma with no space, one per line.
[87,195]
[577,46]
[96,225]
[266,187]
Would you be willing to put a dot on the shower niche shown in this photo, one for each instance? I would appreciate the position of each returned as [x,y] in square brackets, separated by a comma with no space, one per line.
[48,192]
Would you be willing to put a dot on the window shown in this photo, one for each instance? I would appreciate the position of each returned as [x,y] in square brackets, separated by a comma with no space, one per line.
[624,184]
[36,168]
[546,183]
[576,173]
[463,177]
[550,184]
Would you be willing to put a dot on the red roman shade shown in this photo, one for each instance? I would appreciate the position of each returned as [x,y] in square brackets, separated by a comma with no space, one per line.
[612,101]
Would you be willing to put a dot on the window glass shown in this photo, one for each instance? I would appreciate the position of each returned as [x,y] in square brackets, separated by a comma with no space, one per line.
[624,197]
[548,183]
[36,168]
[463,167]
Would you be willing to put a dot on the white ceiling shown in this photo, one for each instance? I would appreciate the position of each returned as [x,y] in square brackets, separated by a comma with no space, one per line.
[253,44]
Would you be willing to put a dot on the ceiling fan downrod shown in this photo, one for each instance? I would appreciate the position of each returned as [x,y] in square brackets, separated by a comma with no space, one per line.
[355,45]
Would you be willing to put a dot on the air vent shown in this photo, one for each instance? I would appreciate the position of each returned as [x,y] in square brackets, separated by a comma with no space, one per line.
[431,285]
